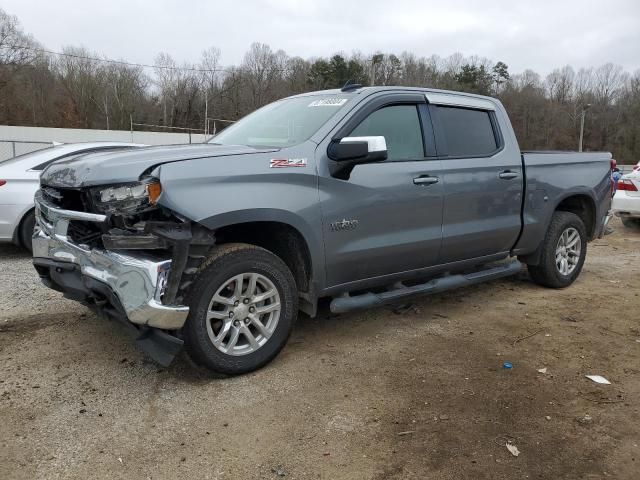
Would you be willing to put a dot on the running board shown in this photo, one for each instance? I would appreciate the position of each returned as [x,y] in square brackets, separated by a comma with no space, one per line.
[347,303]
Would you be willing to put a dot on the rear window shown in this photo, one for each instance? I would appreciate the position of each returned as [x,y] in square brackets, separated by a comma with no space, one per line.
[468,132]
[25,156]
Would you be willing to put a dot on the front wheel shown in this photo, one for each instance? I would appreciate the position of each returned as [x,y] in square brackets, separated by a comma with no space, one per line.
[564,249]
[243,305]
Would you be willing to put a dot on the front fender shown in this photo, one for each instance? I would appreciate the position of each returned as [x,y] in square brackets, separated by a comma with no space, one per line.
[215,194]
[310,235]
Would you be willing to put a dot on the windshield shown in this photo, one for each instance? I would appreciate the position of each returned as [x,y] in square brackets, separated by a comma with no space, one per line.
[284,123]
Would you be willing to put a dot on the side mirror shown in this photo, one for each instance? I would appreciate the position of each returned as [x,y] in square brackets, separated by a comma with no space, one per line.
[359,149]
[347,152]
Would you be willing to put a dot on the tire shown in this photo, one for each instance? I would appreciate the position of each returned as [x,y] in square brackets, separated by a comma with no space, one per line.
[547,272]
[25,233]
[631,222]
[217,277]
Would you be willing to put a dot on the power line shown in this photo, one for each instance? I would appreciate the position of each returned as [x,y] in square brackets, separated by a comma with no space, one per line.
[117,62]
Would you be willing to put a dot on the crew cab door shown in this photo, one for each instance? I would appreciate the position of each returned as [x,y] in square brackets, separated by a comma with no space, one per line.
[386,217]
[482,178]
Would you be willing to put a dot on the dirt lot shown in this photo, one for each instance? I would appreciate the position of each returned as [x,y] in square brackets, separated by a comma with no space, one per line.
[375,395]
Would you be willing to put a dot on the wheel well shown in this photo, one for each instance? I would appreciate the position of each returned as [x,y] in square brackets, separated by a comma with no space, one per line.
[583,207]
[16,232]
[280,239]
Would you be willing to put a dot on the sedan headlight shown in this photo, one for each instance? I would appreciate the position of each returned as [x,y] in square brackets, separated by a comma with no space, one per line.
[129,198]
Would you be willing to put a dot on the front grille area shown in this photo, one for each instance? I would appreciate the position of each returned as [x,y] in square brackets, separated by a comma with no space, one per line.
[67,198]
[85,233]
[78,232]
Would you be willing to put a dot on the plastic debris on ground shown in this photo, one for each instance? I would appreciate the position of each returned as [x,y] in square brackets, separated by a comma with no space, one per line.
[598,379]
[507,365]
[513,449]
[542,370]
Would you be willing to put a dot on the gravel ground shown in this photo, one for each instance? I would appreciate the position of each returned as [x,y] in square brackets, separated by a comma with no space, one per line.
[414,393]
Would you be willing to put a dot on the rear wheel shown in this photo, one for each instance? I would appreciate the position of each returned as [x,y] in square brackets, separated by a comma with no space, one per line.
[26,230]
[564,249]
[630,222]
[243,305]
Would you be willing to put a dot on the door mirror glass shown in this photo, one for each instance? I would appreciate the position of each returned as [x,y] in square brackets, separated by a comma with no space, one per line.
[359,149]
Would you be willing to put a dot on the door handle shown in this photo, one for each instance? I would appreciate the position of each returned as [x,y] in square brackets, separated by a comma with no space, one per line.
[508,175]
[425,180]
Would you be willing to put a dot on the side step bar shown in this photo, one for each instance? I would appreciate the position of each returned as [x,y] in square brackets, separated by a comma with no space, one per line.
[347,303]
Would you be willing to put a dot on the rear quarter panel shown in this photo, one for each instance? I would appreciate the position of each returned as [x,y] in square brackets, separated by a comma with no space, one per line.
[553,177]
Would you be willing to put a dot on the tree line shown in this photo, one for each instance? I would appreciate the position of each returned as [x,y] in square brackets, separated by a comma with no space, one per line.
[81,89]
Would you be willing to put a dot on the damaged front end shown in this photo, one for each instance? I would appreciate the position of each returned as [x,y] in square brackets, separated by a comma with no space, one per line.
[115,249]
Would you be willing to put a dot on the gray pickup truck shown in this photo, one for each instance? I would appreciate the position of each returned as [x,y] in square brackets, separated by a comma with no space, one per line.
[365,196]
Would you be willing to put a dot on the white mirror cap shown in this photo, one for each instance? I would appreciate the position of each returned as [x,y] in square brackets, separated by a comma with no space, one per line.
[374,144]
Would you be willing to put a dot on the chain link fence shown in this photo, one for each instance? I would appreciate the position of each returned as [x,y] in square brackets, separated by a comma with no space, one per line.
[13,148]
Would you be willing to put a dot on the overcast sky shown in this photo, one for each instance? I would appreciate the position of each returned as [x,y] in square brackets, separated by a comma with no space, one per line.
[534,34]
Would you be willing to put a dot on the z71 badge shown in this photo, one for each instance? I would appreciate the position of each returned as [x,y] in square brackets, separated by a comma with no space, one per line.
[287,162]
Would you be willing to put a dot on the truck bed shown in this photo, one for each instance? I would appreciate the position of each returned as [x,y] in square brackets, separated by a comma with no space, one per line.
[552,176]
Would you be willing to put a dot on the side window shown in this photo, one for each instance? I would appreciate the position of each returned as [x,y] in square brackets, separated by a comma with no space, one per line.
[400,126]
[468,132]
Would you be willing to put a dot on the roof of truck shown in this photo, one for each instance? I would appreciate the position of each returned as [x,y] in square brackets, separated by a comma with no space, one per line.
[389,88]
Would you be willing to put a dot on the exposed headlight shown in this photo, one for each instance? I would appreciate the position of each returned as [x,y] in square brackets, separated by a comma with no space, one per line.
[129,198]
[117,194]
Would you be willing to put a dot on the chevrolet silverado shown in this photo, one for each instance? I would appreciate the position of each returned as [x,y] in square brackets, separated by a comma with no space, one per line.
[364,195]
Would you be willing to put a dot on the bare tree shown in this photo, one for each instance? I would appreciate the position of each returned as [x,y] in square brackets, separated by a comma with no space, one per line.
[79,89]
[16,47]
[260,67]
[608,82]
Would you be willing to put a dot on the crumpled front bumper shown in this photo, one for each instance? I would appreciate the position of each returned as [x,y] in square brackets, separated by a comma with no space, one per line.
[136,282]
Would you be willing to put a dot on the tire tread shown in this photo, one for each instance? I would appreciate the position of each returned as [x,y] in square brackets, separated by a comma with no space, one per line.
[223,258]
[546,273]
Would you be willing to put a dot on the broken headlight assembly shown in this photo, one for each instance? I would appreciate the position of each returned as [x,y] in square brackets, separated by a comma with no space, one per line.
[127,199]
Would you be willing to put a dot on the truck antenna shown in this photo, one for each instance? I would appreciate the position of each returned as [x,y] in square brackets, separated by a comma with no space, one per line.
[350,86]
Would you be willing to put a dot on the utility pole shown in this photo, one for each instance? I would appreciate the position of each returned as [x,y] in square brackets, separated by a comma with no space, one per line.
[375,59]
[106,111]
[372,73]
[206,114]
[584,112]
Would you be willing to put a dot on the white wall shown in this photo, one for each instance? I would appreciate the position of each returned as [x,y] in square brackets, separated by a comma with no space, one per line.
[27,139]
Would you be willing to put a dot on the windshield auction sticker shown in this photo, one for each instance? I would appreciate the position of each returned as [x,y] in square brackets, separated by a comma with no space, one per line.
[329,102]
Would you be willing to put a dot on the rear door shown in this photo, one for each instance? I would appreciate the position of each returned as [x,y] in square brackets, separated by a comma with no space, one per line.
[482,178]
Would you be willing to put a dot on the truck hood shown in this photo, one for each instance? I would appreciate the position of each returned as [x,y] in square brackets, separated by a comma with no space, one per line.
[128,165]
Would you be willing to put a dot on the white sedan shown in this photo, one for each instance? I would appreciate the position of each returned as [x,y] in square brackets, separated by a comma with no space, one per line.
[20,178]
[626,201]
